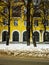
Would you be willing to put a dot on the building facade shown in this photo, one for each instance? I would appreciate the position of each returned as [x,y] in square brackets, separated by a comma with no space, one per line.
[18,22]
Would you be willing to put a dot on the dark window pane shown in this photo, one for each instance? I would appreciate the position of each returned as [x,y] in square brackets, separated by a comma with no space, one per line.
[36,14]
[36,23]
[15,36]
[25,36]
[5,10]
[45,22]
[16,12]
[46,36]
[4,36]
[36,36]
[15,23]
[5,22]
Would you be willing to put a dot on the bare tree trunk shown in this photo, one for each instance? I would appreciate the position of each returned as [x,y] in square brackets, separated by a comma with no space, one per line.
[28,22]
[8,34]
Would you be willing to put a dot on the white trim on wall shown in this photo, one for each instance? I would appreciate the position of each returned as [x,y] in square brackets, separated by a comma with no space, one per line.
[37,31]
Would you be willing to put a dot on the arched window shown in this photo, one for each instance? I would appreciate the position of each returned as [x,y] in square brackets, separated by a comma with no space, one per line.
[36,36]
[15,36]
[25,36]
[4,34]
[46,36]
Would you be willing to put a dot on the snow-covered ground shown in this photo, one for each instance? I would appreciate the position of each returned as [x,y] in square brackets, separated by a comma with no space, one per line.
[42,50]
[21,47]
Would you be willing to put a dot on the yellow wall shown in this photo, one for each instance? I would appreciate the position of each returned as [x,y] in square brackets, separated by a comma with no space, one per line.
[21,27]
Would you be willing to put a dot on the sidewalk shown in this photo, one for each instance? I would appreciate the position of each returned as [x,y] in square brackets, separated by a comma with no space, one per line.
[22,50]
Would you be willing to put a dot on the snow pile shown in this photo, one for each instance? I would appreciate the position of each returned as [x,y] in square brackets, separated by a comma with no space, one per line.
[42,50]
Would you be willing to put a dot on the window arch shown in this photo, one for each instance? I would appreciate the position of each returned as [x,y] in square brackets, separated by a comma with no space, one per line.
[25,36]
[46,36]
[4,34]
[36,36]
[15,36]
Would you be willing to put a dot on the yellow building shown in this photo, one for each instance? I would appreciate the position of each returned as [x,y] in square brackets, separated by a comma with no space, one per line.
[18,24]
